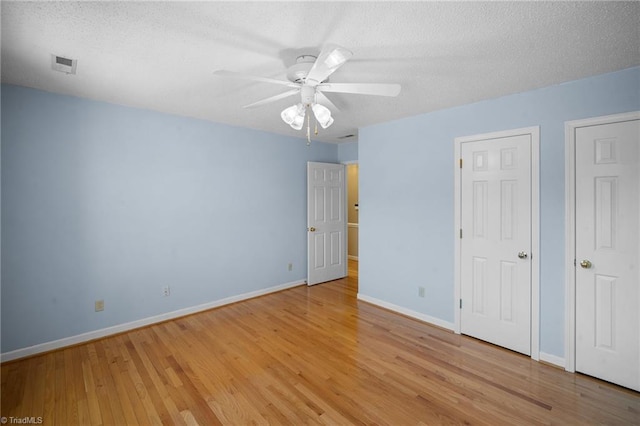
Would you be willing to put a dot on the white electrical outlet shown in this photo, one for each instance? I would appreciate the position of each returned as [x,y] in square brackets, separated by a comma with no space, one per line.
[166,291]
[291,266]
[99,305]
[421,291]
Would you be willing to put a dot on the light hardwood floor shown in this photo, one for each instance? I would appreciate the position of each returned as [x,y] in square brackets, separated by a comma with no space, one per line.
[303,356]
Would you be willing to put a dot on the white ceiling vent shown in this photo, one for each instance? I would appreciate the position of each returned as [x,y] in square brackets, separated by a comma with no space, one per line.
[62,64]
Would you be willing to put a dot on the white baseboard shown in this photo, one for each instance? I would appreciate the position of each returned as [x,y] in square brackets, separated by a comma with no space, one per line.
[97,334]
[552,359]
[408,312]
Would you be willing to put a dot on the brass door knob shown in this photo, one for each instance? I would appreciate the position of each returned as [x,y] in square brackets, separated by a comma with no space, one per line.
[312,229]
[585,264]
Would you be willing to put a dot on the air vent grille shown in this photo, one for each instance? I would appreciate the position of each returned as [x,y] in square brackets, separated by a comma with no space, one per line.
[64,61]
[346,136]
[62,64]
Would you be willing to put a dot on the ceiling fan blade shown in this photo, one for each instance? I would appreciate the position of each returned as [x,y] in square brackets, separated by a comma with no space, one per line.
[330,59]
[273,98]
[232,74]
[323,100]
[378,89]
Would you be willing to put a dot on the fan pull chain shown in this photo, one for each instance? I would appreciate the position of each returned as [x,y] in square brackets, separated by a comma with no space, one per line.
[308,128]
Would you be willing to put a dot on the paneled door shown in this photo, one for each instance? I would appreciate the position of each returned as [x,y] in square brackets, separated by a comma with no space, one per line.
[326,222]
[607,230]
[496,241]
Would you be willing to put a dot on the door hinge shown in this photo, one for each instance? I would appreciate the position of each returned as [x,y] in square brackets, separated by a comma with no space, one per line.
[575,263]
[460,233]
[460,303]
[461,163]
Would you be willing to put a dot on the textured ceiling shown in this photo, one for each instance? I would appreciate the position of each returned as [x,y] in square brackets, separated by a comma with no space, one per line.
[161,55]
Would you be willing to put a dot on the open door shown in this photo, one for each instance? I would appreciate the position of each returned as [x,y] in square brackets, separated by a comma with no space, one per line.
[326,222]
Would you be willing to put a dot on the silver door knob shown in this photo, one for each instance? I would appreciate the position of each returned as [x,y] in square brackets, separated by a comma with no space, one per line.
[585,264]
[523,255]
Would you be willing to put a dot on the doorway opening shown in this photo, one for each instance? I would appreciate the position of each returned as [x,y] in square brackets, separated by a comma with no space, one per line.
[352,219]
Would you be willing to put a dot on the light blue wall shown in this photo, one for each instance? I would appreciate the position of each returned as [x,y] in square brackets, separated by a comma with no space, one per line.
[348,152]
[406,193]
[101,201]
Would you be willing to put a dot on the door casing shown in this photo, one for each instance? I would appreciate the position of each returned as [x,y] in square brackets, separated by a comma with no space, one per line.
[534,133]
[570,221]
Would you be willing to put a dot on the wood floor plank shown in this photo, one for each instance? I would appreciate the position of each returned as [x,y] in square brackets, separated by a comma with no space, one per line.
[307,355]
[74,373]
[90,386]
[151,382]
[60,393]
[145,410]
[48,386]
[117,387]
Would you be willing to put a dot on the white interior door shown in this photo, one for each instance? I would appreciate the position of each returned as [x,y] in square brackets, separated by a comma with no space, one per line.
[326,222]
[496,241]
[607,229]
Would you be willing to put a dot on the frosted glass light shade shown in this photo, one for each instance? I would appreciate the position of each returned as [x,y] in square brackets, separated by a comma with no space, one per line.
[289,114]
[298,121]
[294,116]
[323,115]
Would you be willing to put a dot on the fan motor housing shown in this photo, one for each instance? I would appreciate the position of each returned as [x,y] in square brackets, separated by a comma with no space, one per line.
[299,71]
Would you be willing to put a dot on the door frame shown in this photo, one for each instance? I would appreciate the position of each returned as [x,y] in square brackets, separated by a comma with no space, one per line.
[570,224]
[534,133]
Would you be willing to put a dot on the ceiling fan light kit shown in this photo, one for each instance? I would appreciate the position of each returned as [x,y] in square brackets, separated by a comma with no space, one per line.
[309,78]
[294,115]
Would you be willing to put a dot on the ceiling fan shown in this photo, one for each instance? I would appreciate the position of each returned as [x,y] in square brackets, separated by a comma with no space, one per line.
[309,78]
